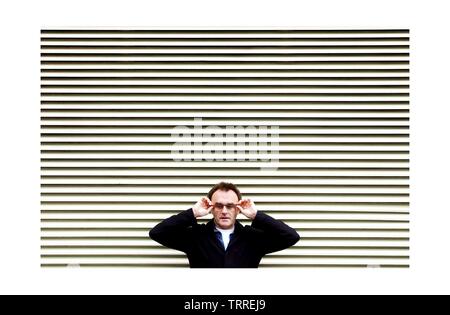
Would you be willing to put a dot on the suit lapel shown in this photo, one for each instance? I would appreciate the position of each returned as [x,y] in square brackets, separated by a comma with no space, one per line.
[236,234]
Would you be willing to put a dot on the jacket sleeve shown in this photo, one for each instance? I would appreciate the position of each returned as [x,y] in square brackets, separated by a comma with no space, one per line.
[276,235]
[175,232]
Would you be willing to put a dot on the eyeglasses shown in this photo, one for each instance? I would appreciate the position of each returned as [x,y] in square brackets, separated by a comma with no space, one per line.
[229,206]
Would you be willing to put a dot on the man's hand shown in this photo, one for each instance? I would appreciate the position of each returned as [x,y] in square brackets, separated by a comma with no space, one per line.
[202,207]
[247,208]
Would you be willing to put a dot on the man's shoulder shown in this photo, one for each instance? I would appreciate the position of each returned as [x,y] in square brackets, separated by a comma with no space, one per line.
[249,229]
[201,227]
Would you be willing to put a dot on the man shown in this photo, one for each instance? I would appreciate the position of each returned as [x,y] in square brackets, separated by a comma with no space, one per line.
[224,242]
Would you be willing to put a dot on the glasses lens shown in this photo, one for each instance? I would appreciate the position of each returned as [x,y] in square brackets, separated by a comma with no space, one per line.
[220,206]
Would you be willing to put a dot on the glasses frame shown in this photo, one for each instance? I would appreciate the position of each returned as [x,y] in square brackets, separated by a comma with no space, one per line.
[230,206]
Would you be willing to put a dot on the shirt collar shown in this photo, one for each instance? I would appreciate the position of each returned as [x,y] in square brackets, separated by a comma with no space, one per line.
[217,229]
[212,227]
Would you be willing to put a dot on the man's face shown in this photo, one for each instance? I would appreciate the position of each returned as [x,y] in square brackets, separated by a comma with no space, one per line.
[225,211]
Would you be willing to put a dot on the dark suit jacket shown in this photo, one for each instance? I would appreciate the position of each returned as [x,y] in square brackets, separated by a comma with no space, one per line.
[245,250]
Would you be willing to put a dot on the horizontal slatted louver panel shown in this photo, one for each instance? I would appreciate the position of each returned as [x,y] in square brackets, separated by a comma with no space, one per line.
[111,98]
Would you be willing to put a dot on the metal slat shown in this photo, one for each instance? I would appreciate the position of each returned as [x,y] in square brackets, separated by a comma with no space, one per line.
[110,100]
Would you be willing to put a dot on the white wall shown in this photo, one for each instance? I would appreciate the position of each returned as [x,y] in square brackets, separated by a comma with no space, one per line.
[333,104]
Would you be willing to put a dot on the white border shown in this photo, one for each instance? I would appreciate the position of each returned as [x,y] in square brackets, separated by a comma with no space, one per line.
[19,223]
